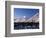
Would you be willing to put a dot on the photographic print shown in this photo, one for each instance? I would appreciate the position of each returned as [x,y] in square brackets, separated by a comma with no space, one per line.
[24,18]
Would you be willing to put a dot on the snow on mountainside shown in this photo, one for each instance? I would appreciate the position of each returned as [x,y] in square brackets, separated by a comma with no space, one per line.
[22,19]
[34,18]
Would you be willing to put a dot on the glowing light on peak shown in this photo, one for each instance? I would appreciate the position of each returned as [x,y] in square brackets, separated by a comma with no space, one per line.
[24,16]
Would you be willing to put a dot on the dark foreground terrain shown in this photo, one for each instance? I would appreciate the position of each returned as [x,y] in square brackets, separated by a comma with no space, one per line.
[26,25]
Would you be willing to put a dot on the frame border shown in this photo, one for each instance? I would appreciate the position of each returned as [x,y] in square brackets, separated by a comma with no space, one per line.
[8,17]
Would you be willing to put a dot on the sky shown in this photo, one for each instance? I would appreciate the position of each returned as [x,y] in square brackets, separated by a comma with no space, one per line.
[20,12]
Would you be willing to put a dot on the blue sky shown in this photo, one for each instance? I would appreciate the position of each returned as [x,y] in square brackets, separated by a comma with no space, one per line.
[20,12]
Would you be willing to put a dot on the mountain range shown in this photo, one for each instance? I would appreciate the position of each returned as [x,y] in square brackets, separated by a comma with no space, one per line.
[34,18]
